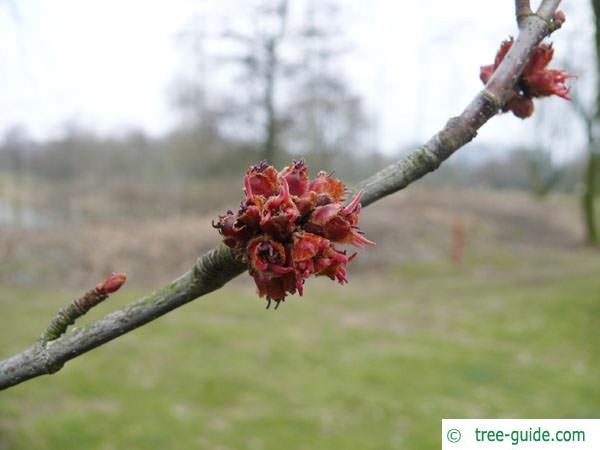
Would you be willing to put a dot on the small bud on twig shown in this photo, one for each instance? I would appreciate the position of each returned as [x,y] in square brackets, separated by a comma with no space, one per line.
[557,21]
[112,283]
[82,305]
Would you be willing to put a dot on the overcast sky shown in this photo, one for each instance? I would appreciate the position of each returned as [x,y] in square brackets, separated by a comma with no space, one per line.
[108,64]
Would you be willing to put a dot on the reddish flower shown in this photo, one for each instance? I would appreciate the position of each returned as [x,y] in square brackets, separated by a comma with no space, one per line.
[234,231]
[339,223]
[279,214]
[296,175]
[332,263]
[313,254]
[262,180]
[306,203]
[487,71]
[327,188]
[541,82]
[287,226]
[267,255]
[307,245]
[535,81]
[275,288]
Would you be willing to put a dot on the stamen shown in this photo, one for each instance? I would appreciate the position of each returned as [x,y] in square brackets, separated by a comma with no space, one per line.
[248,188]
[353,204]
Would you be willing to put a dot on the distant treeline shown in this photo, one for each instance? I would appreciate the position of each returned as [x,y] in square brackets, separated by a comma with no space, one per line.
[202,153]
[187,154]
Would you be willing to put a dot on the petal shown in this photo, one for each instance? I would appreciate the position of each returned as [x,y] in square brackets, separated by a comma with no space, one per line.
[306,203]
[306,246]
[338,230]
[296,175]
[323,214]
[355,203]
[359,240]
[541,57]
[331,187]
[262,180]
[548,82]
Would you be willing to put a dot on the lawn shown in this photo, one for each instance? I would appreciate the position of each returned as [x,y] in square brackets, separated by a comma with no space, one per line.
[375,365]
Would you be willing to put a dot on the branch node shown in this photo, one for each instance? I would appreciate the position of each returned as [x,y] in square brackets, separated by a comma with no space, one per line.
[492,99]
[50,366]
[522,10]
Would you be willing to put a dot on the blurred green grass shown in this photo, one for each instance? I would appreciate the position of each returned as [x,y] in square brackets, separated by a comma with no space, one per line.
[375,365]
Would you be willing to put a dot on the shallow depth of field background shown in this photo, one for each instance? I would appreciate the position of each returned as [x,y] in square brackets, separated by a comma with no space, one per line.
[511,329]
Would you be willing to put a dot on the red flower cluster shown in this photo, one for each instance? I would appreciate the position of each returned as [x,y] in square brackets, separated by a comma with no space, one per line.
[287,226]
[535,81]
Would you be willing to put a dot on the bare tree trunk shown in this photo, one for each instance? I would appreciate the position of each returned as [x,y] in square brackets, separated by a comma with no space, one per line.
[270,144]
[271,73]
[592,167]
[589,194]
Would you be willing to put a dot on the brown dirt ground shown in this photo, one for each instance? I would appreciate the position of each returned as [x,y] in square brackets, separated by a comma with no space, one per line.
[414,226]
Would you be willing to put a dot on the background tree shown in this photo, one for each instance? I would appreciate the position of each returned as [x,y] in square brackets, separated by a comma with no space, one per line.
[593,158]
[14,153]
[590,118]
[262,65]
[328,118]
[295,97]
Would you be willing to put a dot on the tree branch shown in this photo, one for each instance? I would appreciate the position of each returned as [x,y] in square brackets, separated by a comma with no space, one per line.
[210,272]
[218,266]
[547,9]
[522,10]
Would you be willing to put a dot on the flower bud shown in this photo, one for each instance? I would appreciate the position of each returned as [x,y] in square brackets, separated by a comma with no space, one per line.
[112,283]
